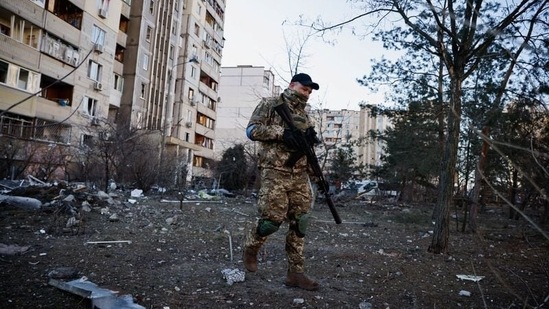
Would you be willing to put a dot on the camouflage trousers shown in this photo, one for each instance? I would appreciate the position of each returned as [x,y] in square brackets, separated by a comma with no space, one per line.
[283,197]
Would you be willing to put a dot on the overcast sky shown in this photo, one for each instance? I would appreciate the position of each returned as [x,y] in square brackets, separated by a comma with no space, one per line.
[254,35]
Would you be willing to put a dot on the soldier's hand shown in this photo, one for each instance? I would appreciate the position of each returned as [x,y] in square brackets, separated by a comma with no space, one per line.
[291,139]
[311,136]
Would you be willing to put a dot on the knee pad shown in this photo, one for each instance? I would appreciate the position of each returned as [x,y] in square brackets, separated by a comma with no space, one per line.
[266,227]
[300,224]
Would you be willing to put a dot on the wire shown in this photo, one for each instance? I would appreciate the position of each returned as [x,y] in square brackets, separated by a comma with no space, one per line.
[48,86]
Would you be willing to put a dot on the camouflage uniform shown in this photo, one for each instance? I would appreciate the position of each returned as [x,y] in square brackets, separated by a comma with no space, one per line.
[285,193]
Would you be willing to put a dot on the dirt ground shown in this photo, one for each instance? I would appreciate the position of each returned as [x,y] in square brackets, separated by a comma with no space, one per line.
[174,257]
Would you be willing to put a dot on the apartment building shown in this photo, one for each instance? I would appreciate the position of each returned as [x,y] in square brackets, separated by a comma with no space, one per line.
[58,68]
[70,66]
[173,74]
[343,126]
[241,88]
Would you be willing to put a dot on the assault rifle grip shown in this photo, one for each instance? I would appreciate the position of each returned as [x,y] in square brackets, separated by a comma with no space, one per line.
[284,111]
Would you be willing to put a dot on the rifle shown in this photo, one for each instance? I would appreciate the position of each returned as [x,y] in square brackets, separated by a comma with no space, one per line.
[284,112]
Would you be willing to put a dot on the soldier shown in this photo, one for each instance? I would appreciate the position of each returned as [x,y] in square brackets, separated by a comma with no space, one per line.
[285,193]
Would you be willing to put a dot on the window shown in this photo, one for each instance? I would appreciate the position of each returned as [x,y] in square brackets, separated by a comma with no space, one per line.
[145,62]
[4,72]
[190,94]
[105,6]
[197,30]
[15,76]
[94,71]
[20,30]
[86,140]
[23,79]
[143,87]
[118,82]
[208,58]
[172,49]
[119,53]
[27,80]
[151,6]
[5,30]
[149,33]
[193,72]
[98,36]
[89,105]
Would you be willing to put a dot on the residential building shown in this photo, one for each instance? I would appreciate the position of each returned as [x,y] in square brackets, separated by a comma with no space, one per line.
[338,127]
[243,86]
[68,67]
[172,76]
[241,89]
[58,69]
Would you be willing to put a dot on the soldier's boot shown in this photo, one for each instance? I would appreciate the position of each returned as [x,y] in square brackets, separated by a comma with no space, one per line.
[249,256]
[300,280]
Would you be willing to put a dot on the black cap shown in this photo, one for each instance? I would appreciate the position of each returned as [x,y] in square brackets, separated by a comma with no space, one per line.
[305,80]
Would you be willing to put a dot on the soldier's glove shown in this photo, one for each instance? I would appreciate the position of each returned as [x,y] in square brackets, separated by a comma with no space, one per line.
[291,139]
[311,136]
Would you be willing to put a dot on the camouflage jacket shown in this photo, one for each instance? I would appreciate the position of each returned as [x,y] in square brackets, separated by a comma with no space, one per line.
[267,127]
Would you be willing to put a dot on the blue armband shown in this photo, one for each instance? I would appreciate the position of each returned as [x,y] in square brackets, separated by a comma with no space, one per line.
[249,131]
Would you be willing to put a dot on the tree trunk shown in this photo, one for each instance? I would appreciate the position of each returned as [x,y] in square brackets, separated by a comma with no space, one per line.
[441,232]
[478,182]
[513,194]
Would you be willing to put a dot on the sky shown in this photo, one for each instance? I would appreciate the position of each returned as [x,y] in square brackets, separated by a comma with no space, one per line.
[254,34]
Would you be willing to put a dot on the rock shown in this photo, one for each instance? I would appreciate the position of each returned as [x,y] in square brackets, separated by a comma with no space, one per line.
[365,305]
[63,272]
[12,249]
[233,275]
[69,198]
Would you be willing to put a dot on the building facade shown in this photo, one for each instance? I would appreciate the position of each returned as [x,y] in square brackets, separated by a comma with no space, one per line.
[173,76]
[338,127]
[68,67]
[241,89]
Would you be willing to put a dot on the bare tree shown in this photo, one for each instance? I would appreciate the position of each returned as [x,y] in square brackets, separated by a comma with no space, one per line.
[460,35]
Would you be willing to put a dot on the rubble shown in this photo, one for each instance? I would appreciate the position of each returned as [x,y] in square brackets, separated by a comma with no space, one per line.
[233,275]
[12,249]
[101,298]
[21,202]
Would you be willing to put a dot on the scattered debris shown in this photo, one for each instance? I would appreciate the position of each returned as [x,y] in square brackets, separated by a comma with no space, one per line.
[12,249]
[21,202]
[365,305]
[470,277]
[230,243]
[101,298]
[298,301]
[464,293]
[108,242]
[137,193]
[382,252]
[233,275]
[64,272]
